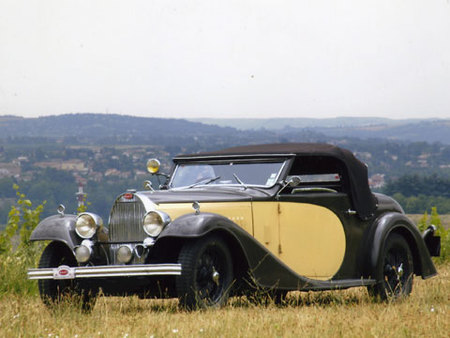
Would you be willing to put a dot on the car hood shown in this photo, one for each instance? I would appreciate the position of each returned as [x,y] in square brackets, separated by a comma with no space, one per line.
[230,194]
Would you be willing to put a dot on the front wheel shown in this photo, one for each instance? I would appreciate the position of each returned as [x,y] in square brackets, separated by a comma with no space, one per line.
[54,292]
[395,270]
[207,273]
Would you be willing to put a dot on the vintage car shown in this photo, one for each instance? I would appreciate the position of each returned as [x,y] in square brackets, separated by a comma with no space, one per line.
[277,217]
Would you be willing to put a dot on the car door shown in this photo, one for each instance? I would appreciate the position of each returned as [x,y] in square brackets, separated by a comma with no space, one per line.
[312,239]
[313,217]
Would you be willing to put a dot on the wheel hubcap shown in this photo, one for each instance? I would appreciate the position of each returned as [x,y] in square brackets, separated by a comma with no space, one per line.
[400,271]
[209,277]
[215,276]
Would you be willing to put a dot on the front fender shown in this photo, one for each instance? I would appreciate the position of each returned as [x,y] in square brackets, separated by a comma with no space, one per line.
[397,223]
[57,228]
[198,225]
[267,270]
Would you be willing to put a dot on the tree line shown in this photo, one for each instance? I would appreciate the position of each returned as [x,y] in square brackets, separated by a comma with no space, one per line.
[419,193]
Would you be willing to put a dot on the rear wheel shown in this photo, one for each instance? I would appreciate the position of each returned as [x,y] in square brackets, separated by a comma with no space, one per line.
[207,273]
[395,270]
[54,292]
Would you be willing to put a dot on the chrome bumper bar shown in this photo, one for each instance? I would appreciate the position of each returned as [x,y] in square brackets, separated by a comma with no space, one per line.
[66,272]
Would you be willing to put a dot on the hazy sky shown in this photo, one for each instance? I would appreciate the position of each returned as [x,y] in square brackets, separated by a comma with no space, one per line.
[243,58]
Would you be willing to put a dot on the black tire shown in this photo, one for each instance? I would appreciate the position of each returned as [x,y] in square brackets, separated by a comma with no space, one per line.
[207,273]
[55,292]
[395,270]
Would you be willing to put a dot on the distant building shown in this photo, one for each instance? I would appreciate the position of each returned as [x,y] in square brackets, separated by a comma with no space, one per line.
[81,195]
[377,181]
[70,165]
[9,170]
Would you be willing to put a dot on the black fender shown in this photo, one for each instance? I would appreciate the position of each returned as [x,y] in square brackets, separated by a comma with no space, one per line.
[394,222]
[57,228]
[266,269]
[198,225]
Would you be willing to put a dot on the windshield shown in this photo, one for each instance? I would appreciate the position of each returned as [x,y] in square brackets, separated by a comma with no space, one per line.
[263,174]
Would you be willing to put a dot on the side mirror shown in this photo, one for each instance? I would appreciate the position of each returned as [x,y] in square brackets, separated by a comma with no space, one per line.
[294,181]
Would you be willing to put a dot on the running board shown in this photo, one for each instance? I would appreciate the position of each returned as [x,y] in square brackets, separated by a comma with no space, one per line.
[314,285]
[66,272]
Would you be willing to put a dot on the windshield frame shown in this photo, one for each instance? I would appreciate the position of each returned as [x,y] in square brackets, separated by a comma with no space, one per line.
[282,160]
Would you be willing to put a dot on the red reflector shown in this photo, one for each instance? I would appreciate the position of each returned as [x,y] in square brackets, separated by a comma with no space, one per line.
[128,196]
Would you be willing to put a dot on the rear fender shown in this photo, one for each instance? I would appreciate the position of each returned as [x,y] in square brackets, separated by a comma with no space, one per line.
[57,228]
[397,223]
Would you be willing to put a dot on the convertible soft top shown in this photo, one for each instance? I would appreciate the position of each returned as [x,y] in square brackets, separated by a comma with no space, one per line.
[363,200]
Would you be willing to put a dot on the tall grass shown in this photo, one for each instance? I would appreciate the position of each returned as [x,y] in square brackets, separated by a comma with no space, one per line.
[17,252]
[13,274]
[333,313]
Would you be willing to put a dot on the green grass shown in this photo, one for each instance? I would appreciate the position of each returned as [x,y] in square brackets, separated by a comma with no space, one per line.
[349,313]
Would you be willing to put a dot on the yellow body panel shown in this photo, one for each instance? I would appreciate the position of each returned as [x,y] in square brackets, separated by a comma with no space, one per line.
[238,212]
[266,230]
[308,238]
[312,240]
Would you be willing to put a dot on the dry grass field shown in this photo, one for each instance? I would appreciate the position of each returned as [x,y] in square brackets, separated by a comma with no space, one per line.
[350,313]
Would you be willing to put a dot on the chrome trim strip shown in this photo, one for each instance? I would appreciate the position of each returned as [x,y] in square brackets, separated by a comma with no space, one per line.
[149,205]
[230,156]
[110,271]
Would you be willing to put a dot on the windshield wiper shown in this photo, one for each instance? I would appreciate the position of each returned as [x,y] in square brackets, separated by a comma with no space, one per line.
[205,182]
[239,180]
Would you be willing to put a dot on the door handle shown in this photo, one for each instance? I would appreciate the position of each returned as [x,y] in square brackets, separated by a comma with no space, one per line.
[350,212]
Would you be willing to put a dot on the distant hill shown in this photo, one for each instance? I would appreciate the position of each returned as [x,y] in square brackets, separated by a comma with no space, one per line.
[98,126]
[413,130]
[108,129]
[104,129]
[281,123]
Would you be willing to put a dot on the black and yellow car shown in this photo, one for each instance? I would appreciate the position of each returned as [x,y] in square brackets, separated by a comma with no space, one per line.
[277,217]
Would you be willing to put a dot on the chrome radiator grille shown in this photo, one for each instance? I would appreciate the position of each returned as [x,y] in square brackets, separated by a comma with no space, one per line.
[125,223]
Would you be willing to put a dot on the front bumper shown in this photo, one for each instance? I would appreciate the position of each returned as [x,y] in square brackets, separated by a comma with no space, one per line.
[66,272]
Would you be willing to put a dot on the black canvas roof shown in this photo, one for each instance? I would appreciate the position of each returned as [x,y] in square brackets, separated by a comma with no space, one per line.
[363,200]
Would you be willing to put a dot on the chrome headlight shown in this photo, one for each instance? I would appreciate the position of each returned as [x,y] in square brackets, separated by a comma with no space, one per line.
[124,254]
[83,253]
[87,224]
[154,222]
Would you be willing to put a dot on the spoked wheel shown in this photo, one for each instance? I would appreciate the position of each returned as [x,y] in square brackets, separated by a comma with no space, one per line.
[207,273]
[54,292]
[395,271]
